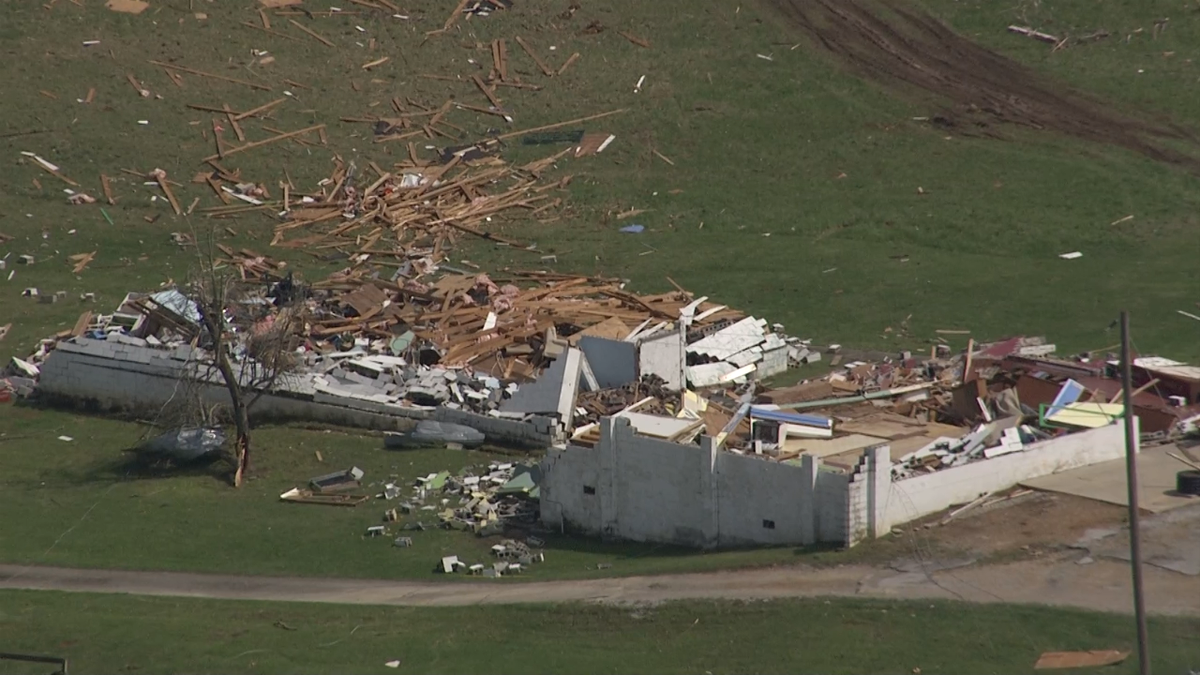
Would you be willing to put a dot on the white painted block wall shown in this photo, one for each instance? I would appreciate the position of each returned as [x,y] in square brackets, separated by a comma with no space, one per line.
[753,494]
[140,380]
[651,490]
[914,498]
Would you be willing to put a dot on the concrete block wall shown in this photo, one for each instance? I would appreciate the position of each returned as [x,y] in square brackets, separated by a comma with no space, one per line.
[758,502]
[657,490]
[914,498]
[125,377]
[832,499]
[644,489]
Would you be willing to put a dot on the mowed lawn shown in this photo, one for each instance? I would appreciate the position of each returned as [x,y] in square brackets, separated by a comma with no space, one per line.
[109,633]
[82,503]
[796,191]
[791,192]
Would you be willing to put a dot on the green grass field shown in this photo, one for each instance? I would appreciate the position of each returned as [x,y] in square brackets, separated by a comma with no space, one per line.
[82,504]
[798,192]
[752,213]
[174,635]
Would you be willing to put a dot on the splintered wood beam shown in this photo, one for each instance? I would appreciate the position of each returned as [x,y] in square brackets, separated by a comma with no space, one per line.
[213,76]
[311,32]
[486,92]
[556,125]
[260,109]
[533,55]
[266,141]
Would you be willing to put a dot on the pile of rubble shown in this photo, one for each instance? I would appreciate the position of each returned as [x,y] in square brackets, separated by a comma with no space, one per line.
[484,502]
[513,557]
[945,410]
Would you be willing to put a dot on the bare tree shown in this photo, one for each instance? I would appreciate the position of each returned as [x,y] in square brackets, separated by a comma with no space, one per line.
[251,343]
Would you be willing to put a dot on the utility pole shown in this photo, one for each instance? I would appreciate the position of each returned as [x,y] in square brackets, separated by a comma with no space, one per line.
[1135,537]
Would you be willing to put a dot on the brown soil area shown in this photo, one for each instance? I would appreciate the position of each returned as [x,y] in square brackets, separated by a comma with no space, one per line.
[1031,524]
[891,41]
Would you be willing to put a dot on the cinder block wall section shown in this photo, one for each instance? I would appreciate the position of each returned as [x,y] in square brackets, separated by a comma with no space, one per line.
[116,376]
[643,489]
[913,498]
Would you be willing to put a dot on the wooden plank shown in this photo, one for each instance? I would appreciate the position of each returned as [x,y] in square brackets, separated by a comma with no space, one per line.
[450,20]
[311,32]
[572,59]
[81,261]
[533,55]
[634,39]
[237,128]
[108,194]
[217,189]
[486,92]
[556,125]
[377,62]
[201,73]
[273,139]
[137,86]
[161,177]
[497,62]
[82,323]
[260,109]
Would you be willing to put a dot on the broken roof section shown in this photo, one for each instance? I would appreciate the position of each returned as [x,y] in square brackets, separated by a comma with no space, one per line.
[178,303]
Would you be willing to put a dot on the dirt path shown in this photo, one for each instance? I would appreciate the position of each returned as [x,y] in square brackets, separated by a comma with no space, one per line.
[893,42]
[1102,585]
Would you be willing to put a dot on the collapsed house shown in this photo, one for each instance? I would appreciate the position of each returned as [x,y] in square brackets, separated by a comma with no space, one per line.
[655,409]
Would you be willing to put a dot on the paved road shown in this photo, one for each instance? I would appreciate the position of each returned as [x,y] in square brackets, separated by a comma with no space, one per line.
[1101,585]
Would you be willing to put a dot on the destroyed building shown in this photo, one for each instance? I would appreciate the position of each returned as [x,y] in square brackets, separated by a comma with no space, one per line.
[655,410]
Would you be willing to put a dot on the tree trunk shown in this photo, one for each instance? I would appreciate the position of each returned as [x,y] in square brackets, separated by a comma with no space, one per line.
[241,416]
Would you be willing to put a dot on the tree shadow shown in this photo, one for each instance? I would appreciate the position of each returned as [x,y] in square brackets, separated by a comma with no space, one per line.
[132,465]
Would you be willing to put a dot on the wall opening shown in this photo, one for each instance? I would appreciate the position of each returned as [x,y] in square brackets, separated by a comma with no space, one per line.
[769,524]
[589,490]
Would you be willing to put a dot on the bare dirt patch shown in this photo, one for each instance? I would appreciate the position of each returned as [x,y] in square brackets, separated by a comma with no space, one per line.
[892,42]
[1030,525]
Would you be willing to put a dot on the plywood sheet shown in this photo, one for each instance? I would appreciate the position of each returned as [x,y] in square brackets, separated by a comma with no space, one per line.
[883,428]
[127,6]
[656,425]
[825,447]
[611,328]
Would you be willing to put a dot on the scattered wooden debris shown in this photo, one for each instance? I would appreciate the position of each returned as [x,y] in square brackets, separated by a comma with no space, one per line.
[81,261]
[634,39]
[311,33]
[377,62]
[1037,35]
[571,59]
[533,55]
[1090,659]
[127,6]
[309,497]
[161,177]
[266,141]
[49,168]
[201,73]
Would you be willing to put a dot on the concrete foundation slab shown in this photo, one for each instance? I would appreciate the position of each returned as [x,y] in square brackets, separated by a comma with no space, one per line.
[1105,481]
